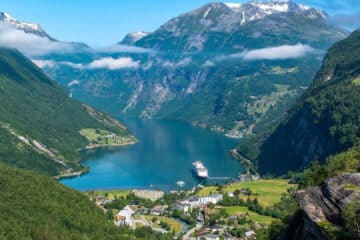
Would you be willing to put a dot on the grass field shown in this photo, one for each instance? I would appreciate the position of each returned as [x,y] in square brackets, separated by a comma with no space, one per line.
[104,137]
[174,225]
[268,192]
[207,191]
[112,193]
[238,210]
[356,81]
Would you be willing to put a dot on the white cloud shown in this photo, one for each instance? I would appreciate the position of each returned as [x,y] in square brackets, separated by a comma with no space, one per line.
[29,44]
[114,64]
[44,63]
[271,53]
[278,53]
[209,63]
[52,64]
[183,62]
[71,64]
[120,48]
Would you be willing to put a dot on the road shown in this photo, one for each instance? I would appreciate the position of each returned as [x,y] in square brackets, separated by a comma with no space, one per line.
[191,231]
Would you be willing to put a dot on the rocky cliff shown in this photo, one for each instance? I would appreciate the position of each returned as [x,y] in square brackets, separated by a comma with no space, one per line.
[322,205]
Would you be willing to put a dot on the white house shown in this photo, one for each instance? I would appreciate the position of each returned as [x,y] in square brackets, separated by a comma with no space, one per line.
[213,198]
[230,194]
[125,217]
[250,234]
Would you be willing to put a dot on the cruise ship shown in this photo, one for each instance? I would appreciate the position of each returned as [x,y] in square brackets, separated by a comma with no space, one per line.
[200,170]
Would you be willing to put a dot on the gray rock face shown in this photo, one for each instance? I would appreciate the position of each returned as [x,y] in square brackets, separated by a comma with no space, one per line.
[302,228]
[326,202]
[319,204]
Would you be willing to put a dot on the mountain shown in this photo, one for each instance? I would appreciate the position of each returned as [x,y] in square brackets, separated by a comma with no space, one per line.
[38,207]
[228,27]
[32,39]
[325,121]
[132,38]
[31,28]
[41,128]
[231,68]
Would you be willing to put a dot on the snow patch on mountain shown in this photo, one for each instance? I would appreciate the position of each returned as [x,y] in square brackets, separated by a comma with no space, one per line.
[272,6]
[207,12]
[258,10]
[138,35]
[73,83]
[25,26]
[234,6]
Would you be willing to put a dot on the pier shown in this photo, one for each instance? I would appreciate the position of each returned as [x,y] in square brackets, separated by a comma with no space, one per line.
[219,178]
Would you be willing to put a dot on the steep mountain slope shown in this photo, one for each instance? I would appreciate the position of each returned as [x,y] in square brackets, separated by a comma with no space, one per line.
[39,124]
[225,67]
[326,119]
[37,207]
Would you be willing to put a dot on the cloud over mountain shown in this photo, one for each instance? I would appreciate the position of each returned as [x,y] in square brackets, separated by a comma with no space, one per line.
[120,48]
[30,44]
[114,64]
[280,52]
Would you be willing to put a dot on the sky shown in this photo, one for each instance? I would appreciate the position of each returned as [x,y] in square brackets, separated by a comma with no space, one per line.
[105,22]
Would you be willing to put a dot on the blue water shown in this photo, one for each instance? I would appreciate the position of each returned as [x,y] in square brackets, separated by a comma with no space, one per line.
[163,156]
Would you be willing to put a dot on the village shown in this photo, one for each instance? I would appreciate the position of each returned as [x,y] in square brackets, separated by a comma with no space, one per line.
[239,210]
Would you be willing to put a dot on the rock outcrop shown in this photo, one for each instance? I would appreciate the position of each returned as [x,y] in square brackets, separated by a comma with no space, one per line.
[322,204]
[326,202]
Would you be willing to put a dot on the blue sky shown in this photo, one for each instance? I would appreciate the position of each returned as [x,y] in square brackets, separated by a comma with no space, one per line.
[105,22]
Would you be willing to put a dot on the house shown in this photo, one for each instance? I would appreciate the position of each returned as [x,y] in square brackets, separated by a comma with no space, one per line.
[101,201]
[159,210]
[213,198]
[233,217]
[250,235]
[125,217]
[230,194]
[182,206]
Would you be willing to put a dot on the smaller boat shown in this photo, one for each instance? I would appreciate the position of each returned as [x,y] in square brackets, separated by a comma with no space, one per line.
[180,183]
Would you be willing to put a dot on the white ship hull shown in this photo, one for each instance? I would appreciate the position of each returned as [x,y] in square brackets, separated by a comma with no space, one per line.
[200,170]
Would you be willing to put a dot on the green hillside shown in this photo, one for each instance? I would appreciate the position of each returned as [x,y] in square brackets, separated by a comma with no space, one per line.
[37,207]
[325,121]
[39,124]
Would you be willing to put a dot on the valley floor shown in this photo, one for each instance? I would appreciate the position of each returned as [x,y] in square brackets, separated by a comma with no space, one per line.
[230,211]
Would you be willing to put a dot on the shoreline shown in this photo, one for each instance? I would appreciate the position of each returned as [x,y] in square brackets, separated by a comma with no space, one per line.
[71,175]
[246,163]
[95,146]
[87,169]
